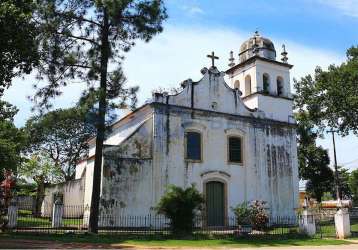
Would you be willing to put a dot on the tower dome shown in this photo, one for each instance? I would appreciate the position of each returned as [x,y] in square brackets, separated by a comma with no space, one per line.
[257,46]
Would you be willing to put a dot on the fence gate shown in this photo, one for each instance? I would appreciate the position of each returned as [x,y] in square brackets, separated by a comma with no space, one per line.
[325,227]
[353,216]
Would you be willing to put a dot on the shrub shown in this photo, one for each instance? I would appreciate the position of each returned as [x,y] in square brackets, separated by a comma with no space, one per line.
[253,214]
[180,206]
[259,217]
[242,213]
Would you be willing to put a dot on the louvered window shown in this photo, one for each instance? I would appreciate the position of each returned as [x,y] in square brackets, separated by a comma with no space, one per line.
[235,149]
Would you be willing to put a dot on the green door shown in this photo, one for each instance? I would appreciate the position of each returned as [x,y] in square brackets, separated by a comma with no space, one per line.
[215,203]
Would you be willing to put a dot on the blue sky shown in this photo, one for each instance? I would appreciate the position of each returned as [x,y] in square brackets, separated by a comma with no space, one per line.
[316,32]
[329,24]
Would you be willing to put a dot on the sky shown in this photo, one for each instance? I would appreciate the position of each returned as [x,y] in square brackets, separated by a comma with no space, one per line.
[315,32]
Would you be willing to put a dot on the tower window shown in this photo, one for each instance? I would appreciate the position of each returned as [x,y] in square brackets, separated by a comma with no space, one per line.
[235,149]
[247,85]
[193,146]
[279,86]
[266,83]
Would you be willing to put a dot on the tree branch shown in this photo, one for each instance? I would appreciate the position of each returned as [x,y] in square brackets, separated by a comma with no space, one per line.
[79,38]
[78,18]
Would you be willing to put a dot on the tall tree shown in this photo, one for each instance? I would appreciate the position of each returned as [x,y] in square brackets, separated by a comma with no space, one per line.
[313,160]
[344,189]
[353,185]
[12,139]
[18,46]
[7,111]
[331,96]
[63,135]
[83,39]
[40,168]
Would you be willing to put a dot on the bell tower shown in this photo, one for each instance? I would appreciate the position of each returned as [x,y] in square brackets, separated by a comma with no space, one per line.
[263,81]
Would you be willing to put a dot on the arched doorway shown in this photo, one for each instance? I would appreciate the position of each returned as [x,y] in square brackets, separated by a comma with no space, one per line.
[215,203]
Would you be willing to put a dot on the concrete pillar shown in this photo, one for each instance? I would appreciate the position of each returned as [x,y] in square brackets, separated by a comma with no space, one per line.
[342,223]
[57,214]
[307,222]
[12,214]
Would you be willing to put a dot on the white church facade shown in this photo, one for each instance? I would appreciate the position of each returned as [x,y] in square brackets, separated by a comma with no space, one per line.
[235,140]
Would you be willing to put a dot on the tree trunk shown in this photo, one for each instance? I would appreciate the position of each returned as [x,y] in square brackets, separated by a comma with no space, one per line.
[94,210]
[40,194]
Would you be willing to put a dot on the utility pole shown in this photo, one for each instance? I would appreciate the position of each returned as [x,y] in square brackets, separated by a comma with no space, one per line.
[335,165]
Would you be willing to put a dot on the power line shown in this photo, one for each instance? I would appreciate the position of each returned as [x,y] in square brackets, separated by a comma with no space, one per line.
[349,162]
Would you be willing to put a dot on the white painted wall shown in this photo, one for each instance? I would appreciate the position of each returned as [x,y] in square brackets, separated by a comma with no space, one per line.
[135,181]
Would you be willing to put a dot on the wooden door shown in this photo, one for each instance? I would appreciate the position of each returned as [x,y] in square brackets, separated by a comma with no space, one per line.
[215,203]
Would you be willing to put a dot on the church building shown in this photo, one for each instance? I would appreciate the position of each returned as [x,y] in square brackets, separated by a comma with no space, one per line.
[233,138]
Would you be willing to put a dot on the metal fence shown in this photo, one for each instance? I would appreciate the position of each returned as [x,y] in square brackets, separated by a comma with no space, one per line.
[75,220]
[353,216]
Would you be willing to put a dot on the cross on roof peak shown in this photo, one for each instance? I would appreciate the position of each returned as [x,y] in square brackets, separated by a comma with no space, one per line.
[213,58]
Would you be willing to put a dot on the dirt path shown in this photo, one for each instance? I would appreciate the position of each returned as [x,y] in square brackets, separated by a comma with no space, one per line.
[39,244]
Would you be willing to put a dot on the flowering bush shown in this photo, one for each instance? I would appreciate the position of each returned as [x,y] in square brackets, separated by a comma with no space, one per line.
[259,217]
[253,214]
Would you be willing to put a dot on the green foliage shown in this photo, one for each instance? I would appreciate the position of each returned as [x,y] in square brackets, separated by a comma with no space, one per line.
[83,40]
[345,191]
[180,206]
[7,111]
[313,160]
[25,188]
[18,45]
[330,97]
[353,185]
[242,212]
[327,196]
[63,135]
[40,168]
[12,141]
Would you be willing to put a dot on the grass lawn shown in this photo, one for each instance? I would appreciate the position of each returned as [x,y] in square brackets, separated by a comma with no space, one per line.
[105,239]
[24,221]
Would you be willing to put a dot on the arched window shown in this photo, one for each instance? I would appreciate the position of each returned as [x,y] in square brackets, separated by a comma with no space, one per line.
[280,90]
[237,84]
[266,83]
[247,85]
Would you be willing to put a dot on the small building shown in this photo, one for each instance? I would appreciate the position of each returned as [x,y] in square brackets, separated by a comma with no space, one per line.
[71,193]
[235,140]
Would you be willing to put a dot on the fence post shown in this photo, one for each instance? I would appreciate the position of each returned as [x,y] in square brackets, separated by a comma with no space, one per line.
[307,222]
[57,214]
[342,222]
[86,215]
[12,214]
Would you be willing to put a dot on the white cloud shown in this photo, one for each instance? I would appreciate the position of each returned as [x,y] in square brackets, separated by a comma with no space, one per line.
[180,53]
[348,7]
[175,55]
[193,10]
